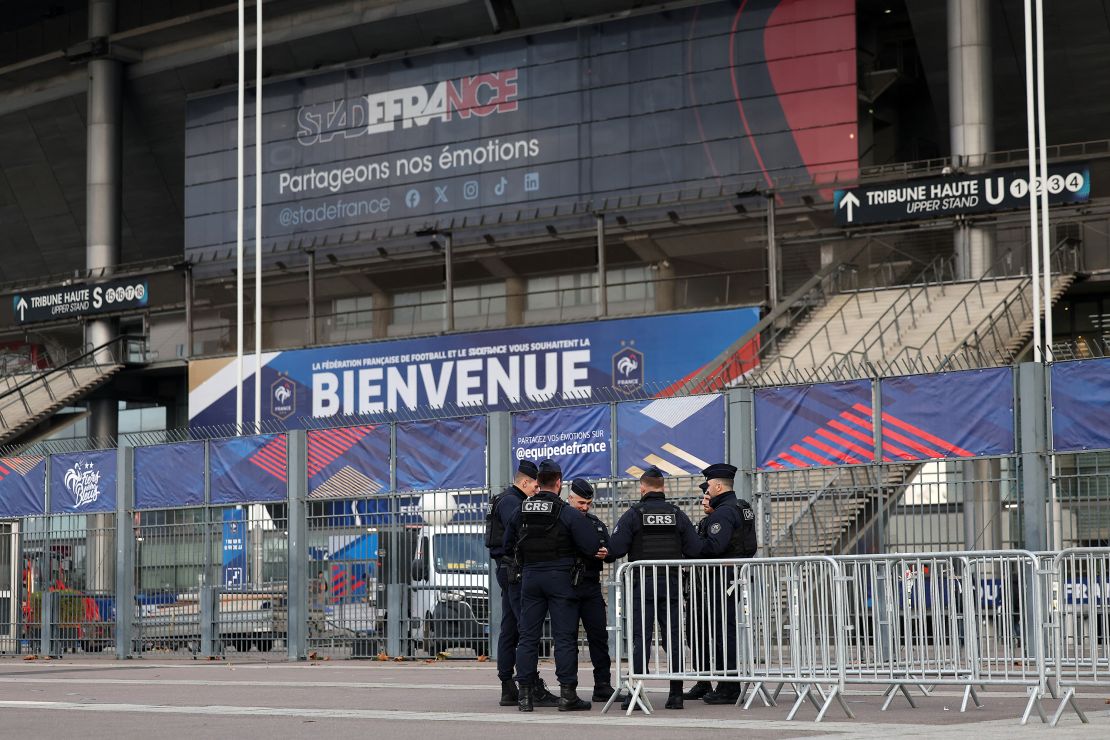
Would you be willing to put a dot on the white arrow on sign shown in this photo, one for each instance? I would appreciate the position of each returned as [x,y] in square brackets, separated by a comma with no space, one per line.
[849,201]
[22,306]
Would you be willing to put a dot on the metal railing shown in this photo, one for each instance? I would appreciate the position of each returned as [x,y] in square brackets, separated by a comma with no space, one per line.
[970,619]
[934,275]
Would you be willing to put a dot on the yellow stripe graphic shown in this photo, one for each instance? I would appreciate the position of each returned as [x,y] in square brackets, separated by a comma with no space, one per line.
[677,452]
[635,472]
[665,466]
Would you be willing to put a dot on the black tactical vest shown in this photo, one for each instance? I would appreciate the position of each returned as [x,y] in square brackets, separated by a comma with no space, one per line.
[658,538]
[495,528]
[743,543]
[542,536]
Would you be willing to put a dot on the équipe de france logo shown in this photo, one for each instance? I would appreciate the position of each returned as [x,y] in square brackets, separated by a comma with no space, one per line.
[83,482]
[283,398]
[628,370]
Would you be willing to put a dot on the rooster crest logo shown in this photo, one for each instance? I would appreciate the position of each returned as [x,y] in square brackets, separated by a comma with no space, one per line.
[283,398]
[628,370]
[83,481]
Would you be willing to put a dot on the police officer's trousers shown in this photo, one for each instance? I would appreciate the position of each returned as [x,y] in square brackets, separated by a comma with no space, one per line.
[510,621]
[656,599]
[698,617]
[545,591]
[723,603]
[591,610]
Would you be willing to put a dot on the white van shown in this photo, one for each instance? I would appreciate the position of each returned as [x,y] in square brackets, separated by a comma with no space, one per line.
[449,588]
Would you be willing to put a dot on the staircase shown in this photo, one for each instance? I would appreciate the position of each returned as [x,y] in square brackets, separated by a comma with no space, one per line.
[826,511]
[30,398]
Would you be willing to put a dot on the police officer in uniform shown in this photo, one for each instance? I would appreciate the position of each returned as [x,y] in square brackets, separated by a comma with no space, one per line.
[548,534]
[502,507]
[586,578]
[655,529]
[730,533]
[697,624]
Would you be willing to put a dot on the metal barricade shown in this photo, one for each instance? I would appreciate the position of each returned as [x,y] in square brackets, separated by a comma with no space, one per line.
[746,621]
[1078,593]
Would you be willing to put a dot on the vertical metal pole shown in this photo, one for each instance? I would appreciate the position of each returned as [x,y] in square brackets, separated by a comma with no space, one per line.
[1042,143]
[395,591]
[449,283]
[499,467]
[741,440]
[239,222]
[772,254]
[258,217]
[125,550]
[312,296]
[297,597]
[602,280]
[1034,234]
[188,312]
[1033,445]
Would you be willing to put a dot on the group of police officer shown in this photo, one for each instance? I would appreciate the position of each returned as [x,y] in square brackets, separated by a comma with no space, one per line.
[550,553]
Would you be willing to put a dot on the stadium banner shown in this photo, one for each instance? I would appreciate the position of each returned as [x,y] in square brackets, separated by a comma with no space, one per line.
[969,413]
[348,462]
[814,425]
[681,436]
[441,454]
[169,475]
[22,486]
[83,482]
[1081,405]
[579,438]
[713,96]
[569,363]
[245,470]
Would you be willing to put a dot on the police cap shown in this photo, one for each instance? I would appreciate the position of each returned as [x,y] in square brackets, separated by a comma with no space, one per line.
[550,466]
[582,488]
[527,467]
[720,470]
[652,473]
[704,486]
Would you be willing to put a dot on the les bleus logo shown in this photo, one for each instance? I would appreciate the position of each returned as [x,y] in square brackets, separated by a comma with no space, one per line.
[83,482]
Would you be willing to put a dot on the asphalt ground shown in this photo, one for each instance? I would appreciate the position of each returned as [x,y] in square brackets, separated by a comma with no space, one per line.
[242,700]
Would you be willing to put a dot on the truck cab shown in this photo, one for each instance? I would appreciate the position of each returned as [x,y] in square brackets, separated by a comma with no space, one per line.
[449,592]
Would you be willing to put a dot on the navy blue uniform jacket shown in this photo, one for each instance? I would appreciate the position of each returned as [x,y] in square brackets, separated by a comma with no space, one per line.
[582,534]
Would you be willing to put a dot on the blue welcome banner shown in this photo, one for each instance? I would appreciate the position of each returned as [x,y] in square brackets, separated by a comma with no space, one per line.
[441,454]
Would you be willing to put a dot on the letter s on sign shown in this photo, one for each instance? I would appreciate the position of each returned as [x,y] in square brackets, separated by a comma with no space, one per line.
[96,301]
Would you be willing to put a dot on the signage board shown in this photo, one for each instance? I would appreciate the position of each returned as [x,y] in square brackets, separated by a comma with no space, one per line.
[71,301]
[957,195]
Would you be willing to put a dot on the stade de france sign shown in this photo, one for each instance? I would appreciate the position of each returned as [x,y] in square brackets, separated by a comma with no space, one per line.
[73,301]
[961,194]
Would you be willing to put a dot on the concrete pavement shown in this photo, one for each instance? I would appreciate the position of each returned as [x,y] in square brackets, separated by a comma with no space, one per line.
[94,698]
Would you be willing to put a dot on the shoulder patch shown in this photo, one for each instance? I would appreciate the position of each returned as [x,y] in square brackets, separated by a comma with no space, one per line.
[749,514]
[715,528]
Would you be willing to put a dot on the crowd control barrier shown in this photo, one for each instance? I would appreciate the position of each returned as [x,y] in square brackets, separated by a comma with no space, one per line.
[905,623]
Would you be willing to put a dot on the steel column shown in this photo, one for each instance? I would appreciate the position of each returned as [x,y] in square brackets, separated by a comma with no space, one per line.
[602,280]
[1033,445]
[499,470]
[312,296]
[296,642]
[449,283]
[125,550]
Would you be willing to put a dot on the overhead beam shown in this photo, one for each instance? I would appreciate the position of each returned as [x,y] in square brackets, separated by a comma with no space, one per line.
[497,267]
[645,247]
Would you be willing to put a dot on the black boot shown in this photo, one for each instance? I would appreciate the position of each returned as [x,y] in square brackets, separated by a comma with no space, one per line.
[569,701]
[541,697]
[524,698]
[602,691]
[509,694]
[674,697]
[725,693]
[698,690]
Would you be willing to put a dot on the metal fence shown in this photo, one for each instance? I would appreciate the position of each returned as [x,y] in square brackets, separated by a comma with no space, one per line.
[973,619]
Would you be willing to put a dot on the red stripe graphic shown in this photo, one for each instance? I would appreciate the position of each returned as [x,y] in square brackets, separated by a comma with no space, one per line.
[793,460]
[812,455]
[327,445]
[838,454]
[927,437]
[844,443]
[271,457]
